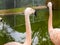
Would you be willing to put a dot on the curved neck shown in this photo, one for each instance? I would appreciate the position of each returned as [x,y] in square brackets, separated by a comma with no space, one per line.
[50,18]
[28,30]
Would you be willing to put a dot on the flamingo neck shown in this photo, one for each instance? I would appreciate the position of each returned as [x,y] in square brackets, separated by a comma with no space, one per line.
[28,30]
[50,19]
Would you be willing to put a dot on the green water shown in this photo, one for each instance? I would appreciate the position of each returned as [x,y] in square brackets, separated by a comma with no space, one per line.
[38,24]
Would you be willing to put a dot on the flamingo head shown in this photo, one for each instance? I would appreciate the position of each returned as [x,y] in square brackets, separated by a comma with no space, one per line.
[29,11]
[0,19]
[49,4]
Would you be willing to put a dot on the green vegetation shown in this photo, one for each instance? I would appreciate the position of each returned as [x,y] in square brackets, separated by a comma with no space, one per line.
[4,37]
[39,23]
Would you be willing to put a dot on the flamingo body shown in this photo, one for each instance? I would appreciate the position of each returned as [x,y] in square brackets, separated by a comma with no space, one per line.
[55,36]
[13,43]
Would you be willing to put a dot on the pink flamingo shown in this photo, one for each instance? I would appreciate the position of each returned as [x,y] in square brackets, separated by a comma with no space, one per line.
[28,11]
[53,32]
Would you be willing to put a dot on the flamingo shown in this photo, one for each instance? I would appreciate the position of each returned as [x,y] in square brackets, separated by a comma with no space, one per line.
[53,32]
[28,11]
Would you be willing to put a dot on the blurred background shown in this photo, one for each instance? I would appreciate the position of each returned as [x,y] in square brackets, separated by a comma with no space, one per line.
[12,27]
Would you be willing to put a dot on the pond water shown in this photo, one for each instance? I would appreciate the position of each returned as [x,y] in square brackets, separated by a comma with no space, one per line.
[15,31]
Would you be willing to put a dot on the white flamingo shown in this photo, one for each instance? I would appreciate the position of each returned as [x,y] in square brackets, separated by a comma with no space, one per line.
[28,11]
[53,32]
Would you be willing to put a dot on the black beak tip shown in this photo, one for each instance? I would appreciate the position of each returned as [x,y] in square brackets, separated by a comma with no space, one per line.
[35,13]
[0,20]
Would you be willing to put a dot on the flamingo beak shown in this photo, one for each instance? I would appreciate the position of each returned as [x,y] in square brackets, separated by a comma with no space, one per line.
[0,19]
[35,13]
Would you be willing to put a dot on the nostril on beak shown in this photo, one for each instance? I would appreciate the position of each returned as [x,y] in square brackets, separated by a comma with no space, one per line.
[35,13]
